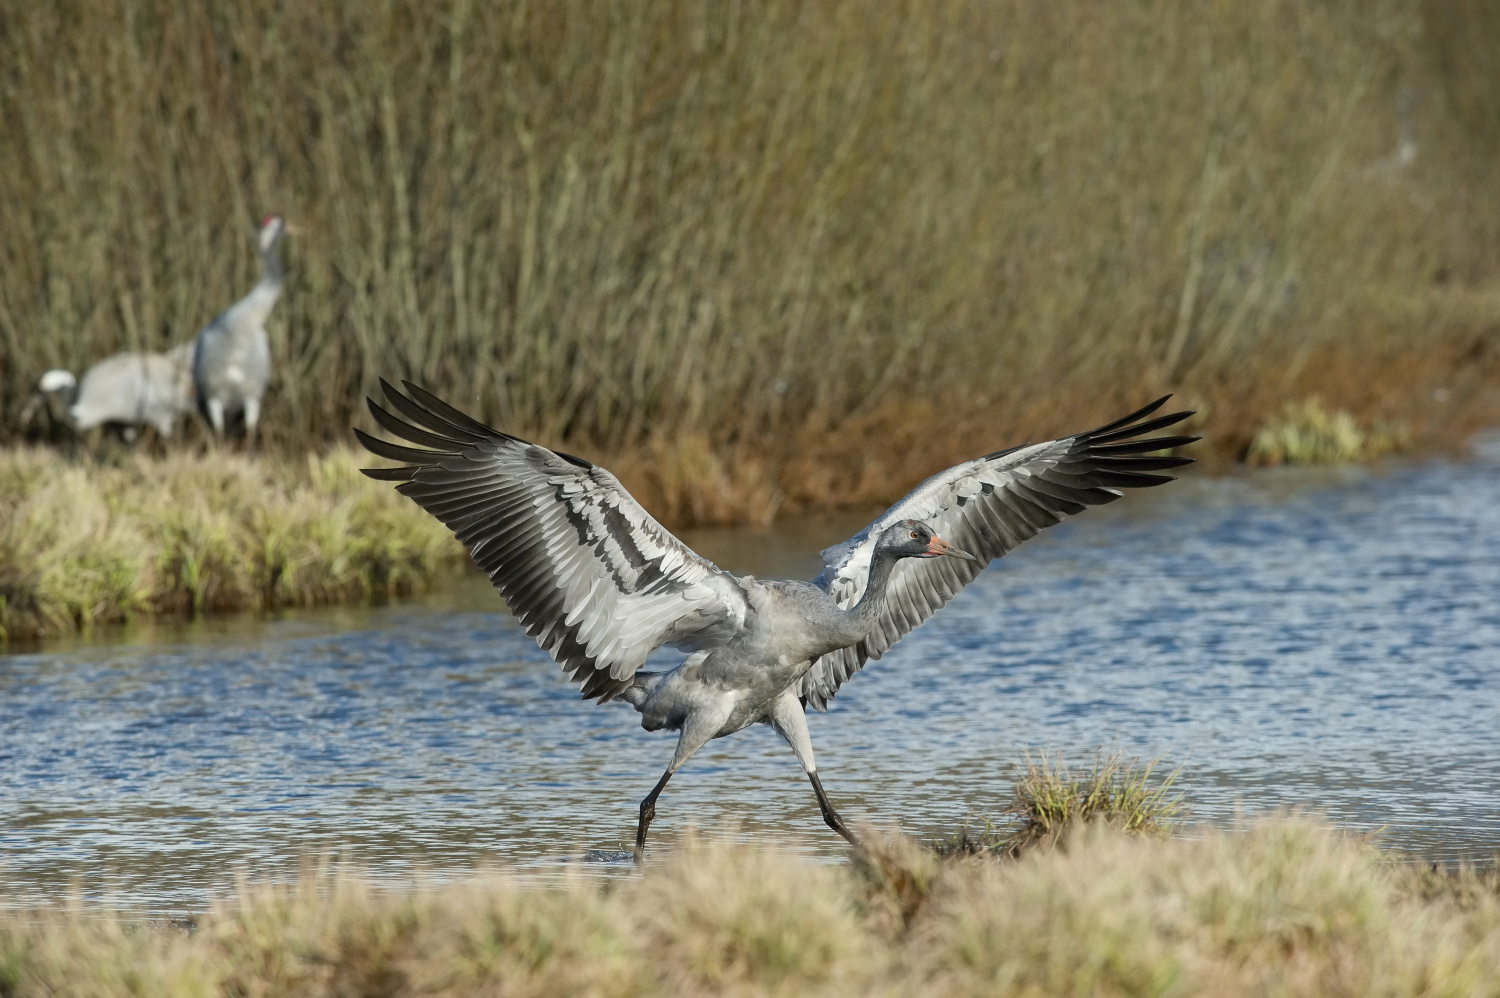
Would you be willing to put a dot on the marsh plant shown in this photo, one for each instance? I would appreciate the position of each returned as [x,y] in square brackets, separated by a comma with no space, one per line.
[1052,801]
[84,543]
[1309,433]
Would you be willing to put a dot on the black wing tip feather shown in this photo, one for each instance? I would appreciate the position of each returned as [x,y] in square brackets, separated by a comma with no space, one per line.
[435,408]
[1134,417]
[1109,444]
[396,452]
[389,474]
[442,420]
[428,421]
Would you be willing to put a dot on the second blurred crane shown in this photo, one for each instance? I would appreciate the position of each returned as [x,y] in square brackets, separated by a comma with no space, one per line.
[232,365]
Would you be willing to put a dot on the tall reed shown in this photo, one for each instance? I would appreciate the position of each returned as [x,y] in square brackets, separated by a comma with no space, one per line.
[770,225]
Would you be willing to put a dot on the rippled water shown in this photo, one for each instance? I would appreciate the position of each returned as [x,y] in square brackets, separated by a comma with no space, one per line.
[1323,638]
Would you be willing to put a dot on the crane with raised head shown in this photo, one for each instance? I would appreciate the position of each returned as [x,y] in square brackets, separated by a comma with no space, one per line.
[232,362]
[599,584]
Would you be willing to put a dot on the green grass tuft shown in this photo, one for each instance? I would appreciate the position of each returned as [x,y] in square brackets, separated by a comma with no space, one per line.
[1309,433]
[1052,802]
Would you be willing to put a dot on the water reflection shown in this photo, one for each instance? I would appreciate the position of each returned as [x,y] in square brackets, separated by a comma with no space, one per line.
[1324,639]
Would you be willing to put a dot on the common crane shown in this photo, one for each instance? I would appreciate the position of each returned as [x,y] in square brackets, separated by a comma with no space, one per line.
[233,359]
[599,584]
[129,390]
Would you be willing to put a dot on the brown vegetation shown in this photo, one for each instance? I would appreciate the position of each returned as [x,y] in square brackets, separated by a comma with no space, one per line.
[774,256]
[1281,907]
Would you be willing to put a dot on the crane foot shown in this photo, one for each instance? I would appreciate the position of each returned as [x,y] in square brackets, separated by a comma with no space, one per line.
[830,815]
[648,811]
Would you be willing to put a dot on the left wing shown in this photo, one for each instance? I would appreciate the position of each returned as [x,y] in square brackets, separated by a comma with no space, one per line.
[594,579]
[986,507]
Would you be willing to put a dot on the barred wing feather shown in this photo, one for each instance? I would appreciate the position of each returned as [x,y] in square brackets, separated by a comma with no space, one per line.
[986,507]
[591,575]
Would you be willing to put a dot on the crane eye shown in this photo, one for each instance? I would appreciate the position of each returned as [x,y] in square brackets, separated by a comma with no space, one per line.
[913,535]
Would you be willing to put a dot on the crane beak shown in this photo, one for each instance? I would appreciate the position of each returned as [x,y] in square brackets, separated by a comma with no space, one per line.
[293,230]
[939,546]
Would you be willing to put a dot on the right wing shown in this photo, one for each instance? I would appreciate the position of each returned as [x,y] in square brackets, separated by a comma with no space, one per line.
[986,507]
[591,575]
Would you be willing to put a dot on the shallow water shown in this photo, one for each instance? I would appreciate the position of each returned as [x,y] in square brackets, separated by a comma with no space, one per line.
[1325,639]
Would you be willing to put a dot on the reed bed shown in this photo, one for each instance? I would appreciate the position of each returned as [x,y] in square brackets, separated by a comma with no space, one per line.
[806,252]
[1283,906]
[84,543]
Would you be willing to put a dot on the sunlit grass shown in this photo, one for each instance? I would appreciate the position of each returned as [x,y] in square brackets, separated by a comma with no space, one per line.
[1282,906]
[1309,433]
[84,543]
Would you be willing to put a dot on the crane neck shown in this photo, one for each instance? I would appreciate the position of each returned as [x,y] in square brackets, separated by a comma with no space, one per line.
[270,272]
[872,602]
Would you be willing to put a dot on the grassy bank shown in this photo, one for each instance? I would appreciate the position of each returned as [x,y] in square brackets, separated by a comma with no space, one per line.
[811,249]
[1281,907]
[84,542]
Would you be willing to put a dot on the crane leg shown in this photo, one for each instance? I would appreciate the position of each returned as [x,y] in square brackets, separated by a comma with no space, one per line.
[252,420]
[829,814]
[216,417]
[705,721]
[648,812]
[790,721]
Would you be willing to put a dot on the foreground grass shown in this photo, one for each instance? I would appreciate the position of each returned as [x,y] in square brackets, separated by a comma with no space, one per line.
[84,543]
[1281,907]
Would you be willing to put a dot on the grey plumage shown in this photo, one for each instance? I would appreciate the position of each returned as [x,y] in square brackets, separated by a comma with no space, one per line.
[232,365]
[599,584]
[128,389]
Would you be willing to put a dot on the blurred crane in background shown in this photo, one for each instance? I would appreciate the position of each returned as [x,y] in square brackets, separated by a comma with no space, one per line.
[232,362]
[128,390]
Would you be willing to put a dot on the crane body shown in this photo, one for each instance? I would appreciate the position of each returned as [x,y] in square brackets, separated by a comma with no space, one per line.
[129,389]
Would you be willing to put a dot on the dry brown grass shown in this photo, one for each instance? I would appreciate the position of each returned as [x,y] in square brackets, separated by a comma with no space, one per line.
[782,255]
[1284,906]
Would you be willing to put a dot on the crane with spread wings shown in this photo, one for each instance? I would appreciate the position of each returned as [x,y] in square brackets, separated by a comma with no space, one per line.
[599,584]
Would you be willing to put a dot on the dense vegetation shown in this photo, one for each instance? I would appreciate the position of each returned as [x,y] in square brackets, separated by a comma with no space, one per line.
[83,544]
[792,254]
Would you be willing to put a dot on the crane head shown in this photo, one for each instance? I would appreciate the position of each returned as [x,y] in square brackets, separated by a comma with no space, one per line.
[271,228]
[56,380]
[915,539]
